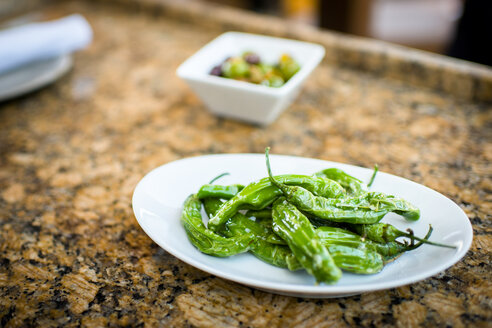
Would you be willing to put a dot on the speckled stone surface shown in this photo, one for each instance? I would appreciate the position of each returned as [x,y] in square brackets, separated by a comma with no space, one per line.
[72,253]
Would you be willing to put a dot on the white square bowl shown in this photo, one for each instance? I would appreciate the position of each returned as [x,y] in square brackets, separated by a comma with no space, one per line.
[246,101]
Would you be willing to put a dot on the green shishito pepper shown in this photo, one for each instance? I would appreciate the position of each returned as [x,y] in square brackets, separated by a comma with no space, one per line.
[207,241]
[353,186]
[264,250]
[385,232]
[360,260]
[380,203]
[264,214]
[218,191]
[264,218]
[350,254]
[355,260]
[378,237]
[240,225]
[262,193]
[297,231]
[367,208]
[388,250]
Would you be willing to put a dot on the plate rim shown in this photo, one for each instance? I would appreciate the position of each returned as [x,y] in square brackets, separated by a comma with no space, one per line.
[61,65]
[316,291]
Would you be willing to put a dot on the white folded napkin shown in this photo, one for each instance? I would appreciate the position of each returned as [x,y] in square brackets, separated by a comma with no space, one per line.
[38,41]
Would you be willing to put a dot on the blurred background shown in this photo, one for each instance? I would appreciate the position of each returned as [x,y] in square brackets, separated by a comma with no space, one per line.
[459,28]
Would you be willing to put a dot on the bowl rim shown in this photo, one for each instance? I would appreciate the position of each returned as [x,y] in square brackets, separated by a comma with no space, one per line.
[317,56]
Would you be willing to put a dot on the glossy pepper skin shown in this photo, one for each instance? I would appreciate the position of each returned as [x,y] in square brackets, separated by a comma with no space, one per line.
[353,186]
[262,193]
[356,260]
[207,241]
[240,225]
[385,232]
[379,202]
[264,214]
[388,251]
[274,254]
[218,191]
[297,231]
[266,222]
[370,207]
[212,205]
[360,260]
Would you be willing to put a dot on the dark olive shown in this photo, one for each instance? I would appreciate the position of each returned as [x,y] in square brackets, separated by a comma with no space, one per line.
[251,58]
[217,70]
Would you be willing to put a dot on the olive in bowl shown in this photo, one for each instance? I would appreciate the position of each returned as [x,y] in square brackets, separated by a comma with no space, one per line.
[223,89]
[249,68]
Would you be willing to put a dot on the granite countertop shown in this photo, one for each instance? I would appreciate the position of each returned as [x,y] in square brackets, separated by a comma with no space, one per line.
[71,251]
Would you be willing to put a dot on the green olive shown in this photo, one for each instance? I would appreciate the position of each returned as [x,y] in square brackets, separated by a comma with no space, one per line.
[249,68]
[288,66]
[235,67]
[256,74]
[272,79]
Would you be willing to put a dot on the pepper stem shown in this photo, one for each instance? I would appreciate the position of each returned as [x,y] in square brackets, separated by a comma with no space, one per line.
[425,239]
[376,169]
[218,177]
[421,241]
[270,175]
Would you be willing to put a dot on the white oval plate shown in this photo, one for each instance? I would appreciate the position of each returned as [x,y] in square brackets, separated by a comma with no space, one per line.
[158,199]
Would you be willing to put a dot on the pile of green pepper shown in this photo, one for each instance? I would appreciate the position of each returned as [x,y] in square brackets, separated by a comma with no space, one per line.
[249,68]
[323,223]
